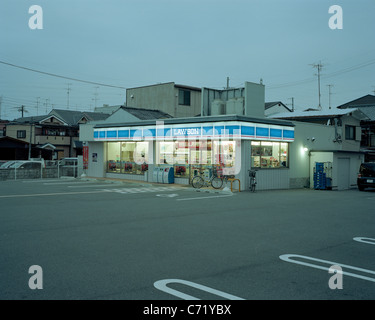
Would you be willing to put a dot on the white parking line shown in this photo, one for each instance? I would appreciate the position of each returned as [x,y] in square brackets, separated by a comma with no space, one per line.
[162,285]
[365,240]
[288,258]
[78,182]
[140,190]
[40,181]
[94,186]
[209,197]
[48,194]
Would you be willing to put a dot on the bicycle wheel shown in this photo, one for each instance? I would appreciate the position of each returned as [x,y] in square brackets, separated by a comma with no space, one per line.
[252,186]
[197,182]
[216,183]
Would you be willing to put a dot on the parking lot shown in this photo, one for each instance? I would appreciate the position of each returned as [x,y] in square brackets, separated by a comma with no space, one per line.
[124,240]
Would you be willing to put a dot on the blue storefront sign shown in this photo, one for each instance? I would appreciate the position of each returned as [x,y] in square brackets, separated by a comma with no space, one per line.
[245,131]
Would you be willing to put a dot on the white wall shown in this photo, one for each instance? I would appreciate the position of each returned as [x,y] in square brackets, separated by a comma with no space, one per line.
[96,169]
[254,99]
[352,145]
[314,137]
[355,160]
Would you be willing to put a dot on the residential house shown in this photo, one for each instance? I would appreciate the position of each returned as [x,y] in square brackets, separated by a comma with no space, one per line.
[367,105]
[52,136]
[332,137]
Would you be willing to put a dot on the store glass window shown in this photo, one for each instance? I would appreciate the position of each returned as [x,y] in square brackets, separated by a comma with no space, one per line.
[193,156]
[176,154]
[127,157]
[266,154]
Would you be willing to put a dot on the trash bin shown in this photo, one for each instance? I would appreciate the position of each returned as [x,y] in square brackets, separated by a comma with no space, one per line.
[168,175]
[155,174]
[160,175]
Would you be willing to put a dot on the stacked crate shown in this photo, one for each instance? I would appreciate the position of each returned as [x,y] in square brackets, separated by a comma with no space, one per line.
[320,177]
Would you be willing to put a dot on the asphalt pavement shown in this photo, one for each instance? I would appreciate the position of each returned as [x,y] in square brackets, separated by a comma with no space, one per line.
[137,241]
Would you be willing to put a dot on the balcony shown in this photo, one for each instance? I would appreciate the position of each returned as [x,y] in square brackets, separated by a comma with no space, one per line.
[55,140]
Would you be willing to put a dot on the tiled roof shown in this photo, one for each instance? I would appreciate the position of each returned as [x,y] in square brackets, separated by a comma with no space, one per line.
[317,114]
[368,111]
[145,114]
[365,101]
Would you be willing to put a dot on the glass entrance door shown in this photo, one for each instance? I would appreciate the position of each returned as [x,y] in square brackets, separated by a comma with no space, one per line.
[200,157]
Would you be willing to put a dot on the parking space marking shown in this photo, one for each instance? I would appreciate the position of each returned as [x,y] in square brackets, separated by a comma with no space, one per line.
[288,258]
[162,286]
[167,195]
[74,182]
[48,194]
[140,190]
[365,240]
[39,180]
[94,186]
[209,197]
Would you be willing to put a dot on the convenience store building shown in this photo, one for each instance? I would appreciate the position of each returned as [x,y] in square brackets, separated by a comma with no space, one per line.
[232,143]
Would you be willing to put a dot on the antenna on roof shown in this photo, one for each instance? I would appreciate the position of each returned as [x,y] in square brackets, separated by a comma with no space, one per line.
[330,93]
[68,92]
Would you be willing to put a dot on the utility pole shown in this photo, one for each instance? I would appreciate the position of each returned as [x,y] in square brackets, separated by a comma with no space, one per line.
[46,105]
[319,67]
[227,83]
[22,110]
[31,133]
[37,106]
[329,94]
[68,92]
[96,95]
[292,103]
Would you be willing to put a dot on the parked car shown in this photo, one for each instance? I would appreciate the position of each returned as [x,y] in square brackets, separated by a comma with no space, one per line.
[366,176]
[27,164]
[7,164]
[39,160]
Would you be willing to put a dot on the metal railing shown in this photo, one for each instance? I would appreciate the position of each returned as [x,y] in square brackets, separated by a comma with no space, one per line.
[47,172]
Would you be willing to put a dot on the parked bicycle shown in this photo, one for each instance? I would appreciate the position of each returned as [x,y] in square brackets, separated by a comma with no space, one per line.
[214,180]
[253,180]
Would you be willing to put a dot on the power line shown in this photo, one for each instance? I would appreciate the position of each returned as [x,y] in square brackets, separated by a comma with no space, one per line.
[330,75]
[59,76]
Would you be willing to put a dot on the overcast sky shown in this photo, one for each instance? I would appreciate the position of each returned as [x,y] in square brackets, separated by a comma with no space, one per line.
[131,43]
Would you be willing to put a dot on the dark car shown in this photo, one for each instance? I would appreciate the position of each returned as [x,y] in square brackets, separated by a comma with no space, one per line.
[366,176]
